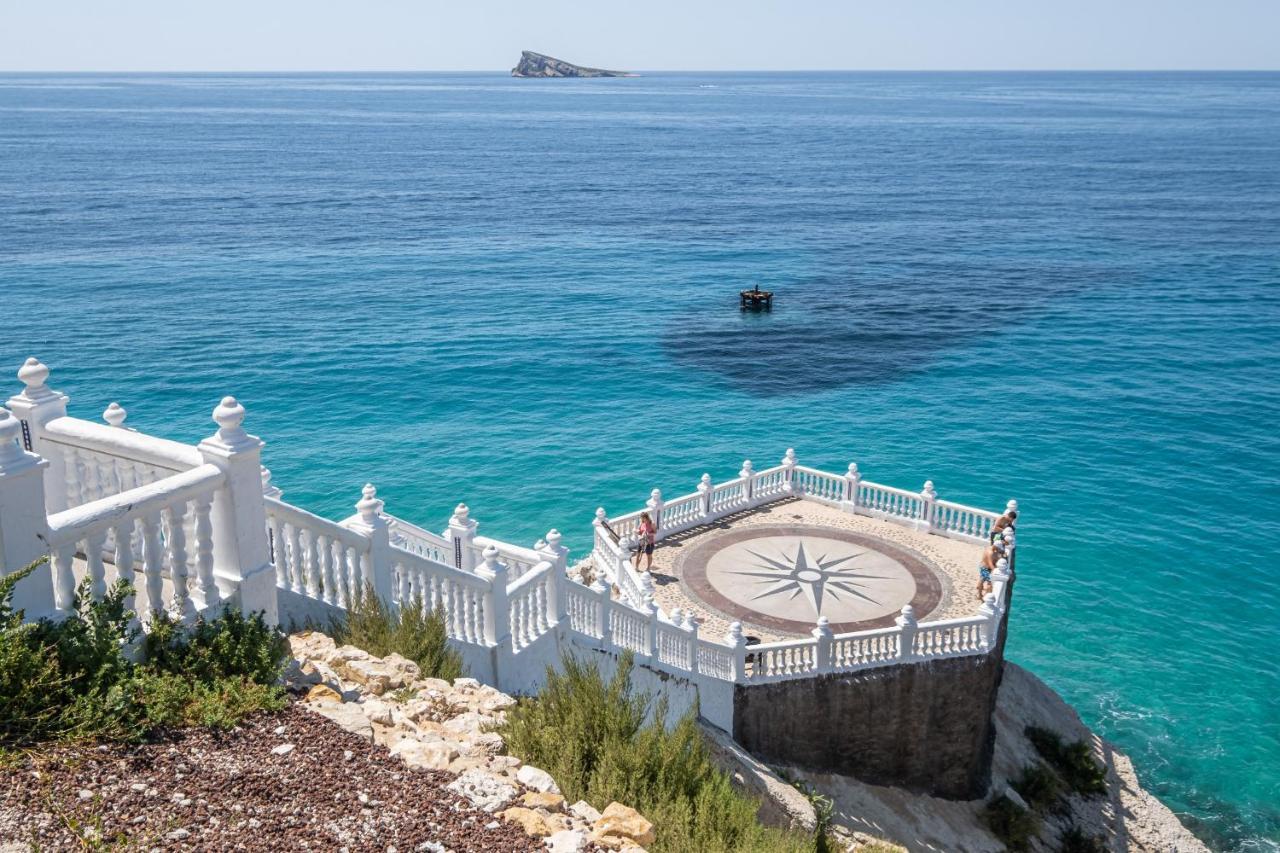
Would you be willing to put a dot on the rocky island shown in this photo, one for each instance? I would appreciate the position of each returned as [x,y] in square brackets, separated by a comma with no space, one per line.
[539,65]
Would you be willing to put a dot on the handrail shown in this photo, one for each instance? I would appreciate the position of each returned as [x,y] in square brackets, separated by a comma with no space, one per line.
[72,525]
[421,563]
[299,517]
[122,443]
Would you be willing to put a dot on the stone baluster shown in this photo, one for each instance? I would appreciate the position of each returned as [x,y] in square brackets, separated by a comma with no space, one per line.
[691,625]
[183,608]
[462,533]
[377,568]
[497,620]
[241,556]
[311,550]
[852,480]
[24,527]
[34,407]
[95,567]
[928,507]
[908,626]
[738,648]
[328,576]
[124,566]
[822,634]
[704,492]
[654,505]
[789,471]
[153,562]
[64,579]
[676,618]
[297,564]
[603,623]
[342,575]
[209,596]
[991,616]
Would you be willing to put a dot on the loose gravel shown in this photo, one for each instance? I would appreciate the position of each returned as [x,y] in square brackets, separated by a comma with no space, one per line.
[290,780]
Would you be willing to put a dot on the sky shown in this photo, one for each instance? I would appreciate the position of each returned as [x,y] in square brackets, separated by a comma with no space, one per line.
[654,35]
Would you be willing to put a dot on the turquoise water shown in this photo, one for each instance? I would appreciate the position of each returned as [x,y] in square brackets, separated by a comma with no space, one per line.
[521,294]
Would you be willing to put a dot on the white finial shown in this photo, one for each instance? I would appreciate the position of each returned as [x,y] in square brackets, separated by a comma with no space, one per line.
[747,470]
[269,490]
[461,512]
[601,518]
[676,616]
[229,415]
[553,538]
[115,415]
[853,470]
[734,637]
[908,617]
[823,628]
[369,506]
[34,375]
[1011,506]
[10,451]
[988,606]
[655,495]
[789,459]
[928,491]
[540,545]
[491,559]
[704,483]
[690,622]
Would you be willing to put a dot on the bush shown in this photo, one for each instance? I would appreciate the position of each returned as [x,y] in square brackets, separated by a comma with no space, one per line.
[417,634]
[1074,761]
[1011,823]
[604,742]
[231,646]
[1075,840]
[71,679]
[1039,786]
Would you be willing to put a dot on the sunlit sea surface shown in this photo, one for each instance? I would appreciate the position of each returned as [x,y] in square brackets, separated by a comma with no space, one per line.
[522,295]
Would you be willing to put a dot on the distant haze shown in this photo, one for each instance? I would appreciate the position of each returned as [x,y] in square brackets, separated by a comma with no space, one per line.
[396,35]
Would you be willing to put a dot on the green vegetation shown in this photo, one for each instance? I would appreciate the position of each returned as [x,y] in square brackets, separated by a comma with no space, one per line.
[1073,761]
[74,678]
[603,741]
[1011,823]
[1076,840]
[1040,787]
[412,632]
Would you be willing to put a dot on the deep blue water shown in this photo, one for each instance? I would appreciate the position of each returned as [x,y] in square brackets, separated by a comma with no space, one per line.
[1055,287]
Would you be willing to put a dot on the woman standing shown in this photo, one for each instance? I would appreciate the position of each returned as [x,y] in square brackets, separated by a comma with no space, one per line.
[647,535]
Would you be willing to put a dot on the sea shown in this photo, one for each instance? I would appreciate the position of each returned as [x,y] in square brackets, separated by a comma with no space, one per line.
[522,295]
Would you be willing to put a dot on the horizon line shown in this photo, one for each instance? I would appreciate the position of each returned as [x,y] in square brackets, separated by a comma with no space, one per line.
[647,71]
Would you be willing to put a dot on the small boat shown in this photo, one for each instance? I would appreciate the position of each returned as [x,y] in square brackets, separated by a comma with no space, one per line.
[756,299]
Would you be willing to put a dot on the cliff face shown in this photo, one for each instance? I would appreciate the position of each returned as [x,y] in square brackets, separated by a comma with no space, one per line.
[538,65]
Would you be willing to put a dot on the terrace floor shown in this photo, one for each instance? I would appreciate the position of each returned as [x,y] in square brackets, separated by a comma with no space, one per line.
[777,568]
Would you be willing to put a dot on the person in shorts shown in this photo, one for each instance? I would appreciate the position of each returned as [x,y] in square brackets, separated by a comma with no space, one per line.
[646,536]
[990,556]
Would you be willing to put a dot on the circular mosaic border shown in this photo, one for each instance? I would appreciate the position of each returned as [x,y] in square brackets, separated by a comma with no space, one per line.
[691,568]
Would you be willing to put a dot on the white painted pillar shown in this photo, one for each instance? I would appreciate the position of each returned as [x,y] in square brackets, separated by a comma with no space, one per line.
[241,556]
[461,533]
[906,622]
[852,481]
[35,406]
[991,614]
[497,623]
[654,505]
[748,475]
[704,492]
[558,555]
[823,634]
[789,471]
[24,528]
[378,565]
[999,581]
[603,623]
[648,606]
[691,625]
[738,645]
[928,506]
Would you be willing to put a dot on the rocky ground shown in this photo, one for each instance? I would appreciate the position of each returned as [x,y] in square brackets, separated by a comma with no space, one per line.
[370,756]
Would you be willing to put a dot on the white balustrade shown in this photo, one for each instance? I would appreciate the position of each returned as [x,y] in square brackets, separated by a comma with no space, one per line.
[314,555]
[949,637]
[583,607]
[818,485]
[418,540]
[459,595]
[864,649]
[530,605]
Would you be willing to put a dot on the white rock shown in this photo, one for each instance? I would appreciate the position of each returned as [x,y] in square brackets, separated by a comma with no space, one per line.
[566,841]
[424,756]
[483,789]
[348,716]
[378,712]
[85,794]
[582,809]
[283,749]
[465,684]
[537,779]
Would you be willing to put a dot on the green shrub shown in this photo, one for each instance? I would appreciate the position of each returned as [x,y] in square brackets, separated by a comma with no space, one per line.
[1073,761]
[1076,840]
[604,742]
[414,632]
[1011,823]
[173,701]
[230,646]
[1039,786]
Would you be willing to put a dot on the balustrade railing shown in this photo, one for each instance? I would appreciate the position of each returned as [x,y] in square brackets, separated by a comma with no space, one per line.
[459,595]
[316,556]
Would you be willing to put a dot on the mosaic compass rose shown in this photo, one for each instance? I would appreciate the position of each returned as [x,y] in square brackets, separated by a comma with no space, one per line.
[814,578]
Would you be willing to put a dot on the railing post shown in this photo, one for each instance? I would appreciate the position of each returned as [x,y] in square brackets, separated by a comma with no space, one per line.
[601,589]
[748,475]
[35,406]
[991,617]
[704,492]
[651,610]
[462,533]
[269,489]
[738,646]
[379,569]
[928,507]
[1000,581]
[852,480]
[1009,541]
[497,625]
[654,505]
[691,625]
[908,627]
[242,565]
[24,527]
[823,634]
[789,471]
[558,556]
